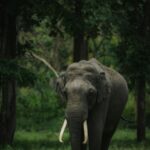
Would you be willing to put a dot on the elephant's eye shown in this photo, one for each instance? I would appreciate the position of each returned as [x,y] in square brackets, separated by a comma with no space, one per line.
[91,97]
[91,92]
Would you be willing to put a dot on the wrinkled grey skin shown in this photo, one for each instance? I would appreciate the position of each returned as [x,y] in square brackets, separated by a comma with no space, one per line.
[95,93]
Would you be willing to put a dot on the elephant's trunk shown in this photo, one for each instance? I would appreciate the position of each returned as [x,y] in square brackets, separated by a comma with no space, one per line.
[77,130]
[76,134]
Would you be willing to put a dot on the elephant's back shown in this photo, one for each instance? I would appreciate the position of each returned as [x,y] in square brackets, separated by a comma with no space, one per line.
[116,79]
[118,99]
[119,88]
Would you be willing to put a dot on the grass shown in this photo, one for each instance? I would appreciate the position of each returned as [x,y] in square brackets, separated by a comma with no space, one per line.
[124,139]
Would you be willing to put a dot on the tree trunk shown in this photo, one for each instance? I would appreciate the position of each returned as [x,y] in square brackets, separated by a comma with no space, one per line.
[141,81]
[8,111]
[8,84]
[80,50]
[141,109]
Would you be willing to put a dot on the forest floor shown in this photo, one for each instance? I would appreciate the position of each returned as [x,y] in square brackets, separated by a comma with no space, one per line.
[123,139]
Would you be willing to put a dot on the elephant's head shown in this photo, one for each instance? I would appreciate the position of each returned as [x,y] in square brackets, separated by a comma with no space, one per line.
[82,86]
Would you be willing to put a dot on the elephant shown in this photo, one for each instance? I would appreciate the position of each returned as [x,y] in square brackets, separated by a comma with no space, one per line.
[95,97]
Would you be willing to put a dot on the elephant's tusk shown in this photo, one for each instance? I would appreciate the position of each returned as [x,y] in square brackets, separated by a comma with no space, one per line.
[62,131]
[85,129]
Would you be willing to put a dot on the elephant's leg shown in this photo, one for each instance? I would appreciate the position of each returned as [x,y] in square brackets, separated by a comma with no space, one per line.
[95,128]
[107,135]
[96,123]
[84,147]
[95,140]
[106,141]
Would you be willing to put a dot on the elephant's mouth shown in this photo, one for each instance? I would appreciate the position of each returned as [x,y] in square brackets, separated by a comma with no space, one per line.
[85,131]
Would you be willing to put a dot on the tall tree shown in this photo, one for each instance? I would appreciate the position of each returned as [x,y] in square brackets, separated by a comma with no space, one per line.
[9,11]
[134,50]
[82,19]
[80,50]
[8,84]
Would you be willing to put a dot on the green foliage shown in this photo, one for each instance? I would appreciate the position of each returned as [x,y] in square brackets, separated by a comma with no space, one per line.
[97,18]
[133,50]
[11,68]
[102,48]
[8,67]
[55,49]
[38,38]
[129,113]
[35,110]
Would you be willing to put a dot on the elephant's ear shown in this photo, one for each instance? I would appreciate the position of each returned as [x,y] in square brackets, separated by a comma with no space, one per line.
[60,84]
[103,87]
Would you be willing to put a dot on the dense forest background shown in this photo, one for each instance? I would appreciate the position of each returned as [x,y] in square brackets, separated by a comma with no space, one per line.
[39,39]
